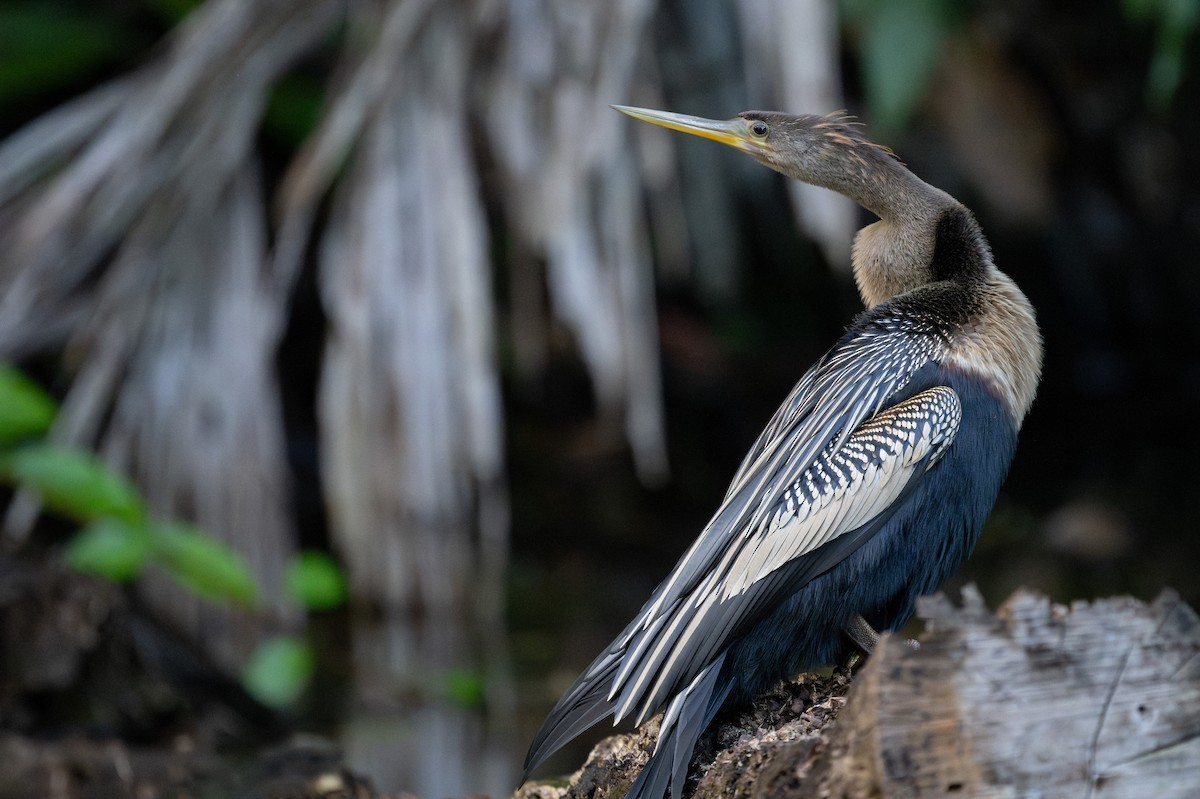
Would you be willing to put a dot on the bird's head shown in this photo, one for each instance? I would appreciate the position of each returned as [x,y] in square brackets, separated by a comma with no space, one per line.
[828,151]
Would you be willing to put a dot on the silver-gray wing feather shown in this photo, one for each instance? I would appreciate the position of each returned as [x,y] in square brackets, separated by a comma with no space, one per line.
[828,465]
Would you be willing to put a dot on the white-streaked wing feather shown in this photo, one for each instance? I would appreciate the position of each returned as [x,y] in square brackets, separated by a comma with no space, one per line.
[667,645]
[893,445]
[842,390]
[882,457]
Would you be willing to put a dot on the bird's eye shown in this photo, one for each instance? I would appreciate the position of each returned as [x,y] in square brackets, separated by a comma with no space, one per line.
[759,129]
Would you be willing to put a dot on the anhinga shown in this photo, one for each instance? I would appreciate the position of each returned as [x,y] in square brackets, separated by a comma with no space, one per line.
[868,486]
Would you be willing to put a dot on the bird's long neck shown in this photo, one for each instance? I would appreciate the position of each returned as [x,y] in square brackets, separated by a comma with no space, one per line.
[891,256]
[924,237]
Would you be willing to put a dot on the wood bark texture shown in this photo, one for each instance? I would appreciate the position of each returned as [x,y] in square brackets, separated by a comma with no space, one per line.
[1095,700]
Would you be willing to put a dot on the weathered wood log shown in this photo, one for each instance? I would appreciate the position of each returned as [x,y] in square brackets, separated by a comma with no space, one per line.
[1100,700]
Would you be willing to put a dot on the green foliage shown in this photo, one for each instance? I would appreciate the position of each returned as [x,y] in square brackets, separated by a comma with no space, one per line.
[293,109]
[1176,22]
[203,563]
[901,44]
[464,687]
[111,548]
[316,581]
[119,538]
[26,410]
[73,482]
[45,46]
[173,11]
[278,671]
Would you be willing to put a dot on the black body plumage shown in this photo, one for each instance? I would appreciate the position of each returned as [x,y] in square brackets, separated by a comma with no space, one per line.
[867,489]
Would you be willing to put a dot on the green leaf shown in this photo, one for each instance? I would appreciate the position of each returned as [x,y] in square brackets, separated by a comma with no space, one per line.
[45,46]
[293,109]
[26,410]
[173,11]
[902,44]
[1164,77]
[1139,10]
[278,671]
[316,581]
[110,548]
[464,687]
[203,563]
[1180,16]
[74,483]
[1177,24]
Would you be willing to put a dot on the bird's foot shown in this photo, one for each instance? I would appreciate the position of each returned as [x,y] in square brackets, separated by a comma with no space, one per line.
[862,633]
[866,638]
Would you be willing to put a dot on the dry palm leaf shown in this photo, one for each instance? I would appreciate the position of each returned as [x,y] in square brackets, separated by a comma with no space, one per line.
[133,226]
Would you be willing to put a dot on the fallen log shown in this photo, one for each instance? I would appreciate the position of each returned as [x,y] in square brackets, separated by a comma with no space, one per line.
[1098,699]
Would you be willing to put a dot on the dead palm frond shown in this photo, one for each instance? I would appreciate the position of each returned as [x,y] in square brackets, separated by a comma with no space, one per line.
[136,241]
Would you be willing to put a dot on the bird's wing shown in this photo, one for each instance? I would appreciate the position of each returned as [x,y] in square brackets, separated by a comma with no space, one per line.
[783,417]
[846,387]
[819,487]
[823,514]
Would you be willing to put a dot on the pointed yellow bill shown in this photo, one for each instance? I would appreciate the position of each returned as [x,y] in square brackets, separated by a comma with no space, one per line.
[734,132]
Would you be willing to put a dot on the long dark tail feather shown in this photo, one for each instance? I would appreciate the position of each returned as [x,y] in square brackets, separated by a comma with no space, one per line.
[655,777]
[584,704]
[673,752]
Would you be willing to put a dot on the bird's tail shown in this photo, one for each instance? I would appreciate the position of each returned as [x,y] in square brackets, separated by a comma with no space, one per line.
[686,717]
[589,699]
[585,703]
